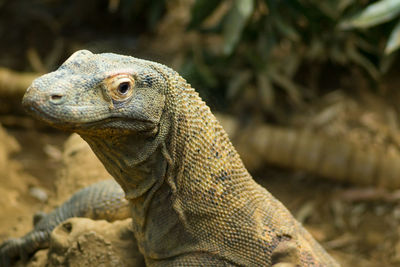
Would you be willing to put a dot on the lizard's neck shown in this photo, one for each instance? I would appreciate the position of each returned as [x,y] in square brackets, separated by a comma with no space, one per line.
[142,174]
[133,160]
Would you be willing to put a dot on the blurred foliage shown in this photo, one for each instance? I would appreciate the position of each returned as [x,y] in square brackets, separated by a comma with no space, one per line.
[53,29]
[273,52]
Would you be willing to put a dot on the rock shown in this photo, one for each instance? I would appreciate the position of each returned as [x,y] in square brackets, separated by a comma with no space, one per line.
[80,168]
[84,242]
[38,193]
[14,188]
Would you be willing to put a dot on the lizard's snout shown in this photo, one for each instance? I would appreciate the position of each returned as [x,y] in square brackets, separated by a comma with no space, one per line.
[32,98]
[36,99]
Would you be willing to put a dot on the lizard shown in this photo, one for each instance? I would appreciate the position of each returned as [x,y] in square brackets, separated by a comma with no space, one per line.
[192,201]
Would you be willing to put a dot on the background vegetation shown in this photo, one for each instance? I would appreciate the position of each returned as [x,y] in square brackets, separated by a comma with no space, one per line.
[289,52]
[262,57]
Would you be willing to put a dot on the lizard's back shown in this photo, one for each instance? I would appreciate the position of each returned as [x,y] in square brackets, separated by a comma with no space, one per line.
[244,222]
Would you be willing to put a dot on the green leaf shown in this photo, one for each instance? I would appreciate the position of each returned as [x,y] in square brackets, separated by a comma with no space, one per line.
[387,62]
[359,59]
[286,29]
[266,91]
[201,10]
[394,40]
[292,89]
[374,14]
[155,13]
[238,83]
[329,8]
[235,21]
[343,4]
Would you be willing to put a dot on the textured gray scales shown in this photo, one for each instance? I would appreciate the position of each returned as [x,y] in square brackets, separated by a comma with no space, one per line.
[193,203]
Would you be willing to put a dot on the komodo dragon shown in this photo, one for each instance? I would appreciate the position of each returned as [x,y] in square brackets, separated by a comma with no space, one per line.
[192,201]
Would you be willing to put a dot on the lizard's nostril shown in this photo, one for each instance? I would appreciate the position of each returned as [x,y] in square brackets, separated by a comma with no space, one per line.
[56,98]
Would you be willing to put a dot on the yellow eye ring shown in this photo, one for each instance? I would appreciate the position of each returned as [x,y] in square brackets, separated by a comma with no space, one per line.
[120,86]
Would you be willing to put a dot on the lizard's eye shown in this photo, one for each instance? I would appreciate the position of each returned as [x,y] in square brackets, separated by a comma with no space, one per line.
[120,87]
[123,88]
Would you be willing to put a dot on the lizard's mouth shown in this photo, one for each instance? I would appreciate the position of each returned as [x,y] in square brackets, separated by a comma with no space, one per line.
[113,124]
[35,109]
[117,124]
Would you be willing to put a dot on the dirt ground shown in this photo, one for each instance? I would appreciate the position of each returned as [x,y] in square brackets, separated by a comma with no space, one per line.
[358,225]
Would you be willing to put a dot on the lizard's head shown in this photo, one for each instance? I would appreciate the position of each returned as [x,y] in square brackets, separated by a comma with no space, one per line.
[99,94]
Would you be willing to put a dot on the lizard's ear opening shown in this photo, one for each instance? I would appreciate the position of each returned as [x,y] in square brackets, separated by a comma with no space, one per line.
[120,87]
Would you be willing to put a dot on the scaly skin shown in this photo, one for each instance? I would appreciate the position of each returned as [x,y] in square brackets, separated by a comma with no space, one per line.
[102,200]
[193,202]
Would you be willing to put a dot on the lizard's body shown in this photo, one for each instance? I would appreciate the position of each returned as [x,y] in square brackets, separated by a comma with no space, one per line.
[192,200]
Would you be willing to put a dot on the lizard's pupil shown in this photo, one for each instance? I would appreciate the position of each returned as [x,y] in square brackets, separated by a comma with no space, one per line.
[123,88]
